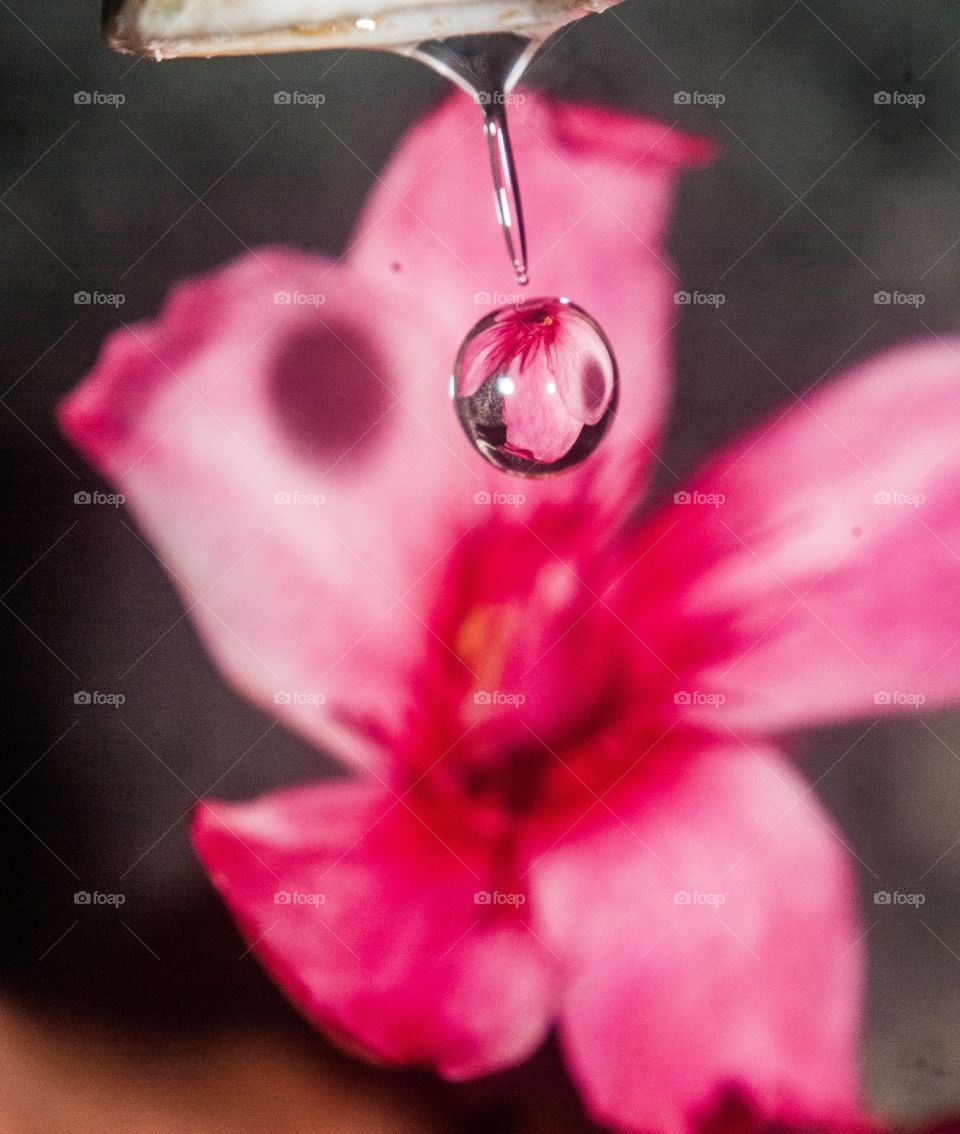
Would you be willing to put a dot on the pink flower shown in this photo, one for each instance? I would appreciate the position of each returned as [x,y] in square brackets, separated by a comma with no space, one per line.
[566,808]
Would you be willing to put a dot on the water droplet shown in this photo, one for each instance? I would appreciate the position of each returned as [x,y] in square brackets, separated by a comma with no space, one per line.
[487,67]
[535,386]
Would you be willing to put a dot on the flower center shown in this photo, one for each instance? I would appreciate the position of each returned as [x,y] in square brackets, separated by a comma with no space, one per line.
[529,712]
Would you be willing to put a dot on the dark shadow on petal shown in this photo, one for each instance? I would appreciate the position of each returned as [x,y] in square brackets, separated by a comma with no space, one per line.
[329,390]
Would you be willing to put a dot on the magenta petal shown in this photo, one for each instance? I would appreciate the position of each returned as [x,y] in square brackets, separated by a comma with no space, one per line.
[818,561]
[539,426]
[563,383]
[712,941]
[370,925]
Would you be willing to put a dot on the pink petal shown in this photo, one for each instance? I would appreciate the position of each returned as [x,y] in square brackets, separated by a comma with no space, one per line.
[273,453]
[597,187]
[823,580]
[584,375]
[540,427]
[562,387]
[370,925]
[751,983]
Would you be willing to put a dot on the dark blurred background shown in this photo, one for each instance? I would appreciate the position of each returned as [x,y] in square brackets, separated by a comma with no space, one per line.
[822,196]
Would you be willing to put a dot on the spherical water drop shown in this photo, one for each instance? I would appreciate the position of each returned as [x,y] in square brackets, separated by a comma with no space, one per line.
[535,386]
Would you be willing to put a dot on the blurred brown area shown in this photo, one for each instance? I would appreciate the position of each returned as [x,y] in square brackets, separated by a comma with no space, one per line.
[58,1076]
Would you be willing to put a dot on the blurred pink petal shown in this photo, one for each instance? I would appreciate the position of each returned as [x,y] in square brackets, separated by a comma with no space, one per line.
[820,557]
[709,939]
[372,927]
[275,500]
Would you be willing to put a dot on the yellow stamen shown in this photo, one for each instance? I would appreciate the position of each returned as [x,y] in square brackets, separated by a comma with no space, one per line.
[484,637]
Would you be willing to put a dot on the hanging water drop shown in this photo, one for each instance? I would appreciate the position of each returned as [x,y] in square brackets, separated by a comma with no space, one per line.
[535,387]
[488,67]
